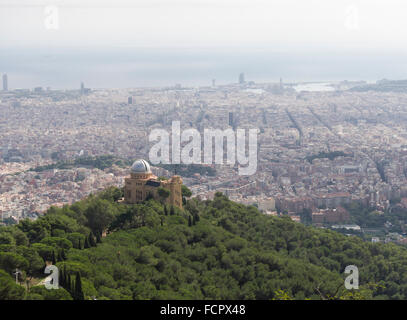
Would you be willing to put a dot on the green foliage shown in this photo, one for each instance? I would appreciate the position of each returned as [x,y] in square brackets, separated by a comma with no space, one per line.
[100,162]
[75,238]
[48,294]
[6,238]
[210,250]
[99,213]
[57,242]
[136,216]
[9,290]
[372,219]
[190,169]
[9,261]
[327,155]
[112,194]
[163,193]
[36,264]
[78,292]
[45,251]
[185,191]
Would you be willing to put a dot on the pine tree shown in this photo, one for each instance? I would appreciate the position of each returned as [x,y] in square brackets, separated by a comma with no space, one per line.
[165,210]
[78,295]
[172,211]
[189,221]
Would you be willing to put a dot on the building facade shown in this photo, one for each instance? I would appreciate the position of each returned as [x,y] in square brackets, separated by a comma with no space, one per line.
[143,184]
[336,215]
[5,82]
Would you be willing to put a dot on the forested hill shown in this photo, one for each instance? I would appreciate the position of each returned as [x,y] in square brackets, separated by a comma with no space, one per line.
[210,250]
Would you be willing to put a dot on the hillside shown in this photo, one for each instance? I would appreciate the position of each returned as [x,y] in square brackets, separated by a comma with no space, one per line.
[211,250]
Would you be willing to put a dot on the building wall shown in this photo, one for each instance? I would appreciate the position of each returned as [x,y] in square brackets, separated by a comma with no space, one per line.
[338,215]
[136,190]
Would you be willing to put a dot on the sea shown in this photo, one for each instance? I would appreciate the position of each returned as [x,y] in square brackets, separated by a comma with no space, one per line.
[115,67]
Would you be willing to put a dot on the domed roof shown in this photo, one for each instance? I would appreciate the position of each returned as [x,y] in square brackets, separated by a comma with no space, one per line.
[140,166]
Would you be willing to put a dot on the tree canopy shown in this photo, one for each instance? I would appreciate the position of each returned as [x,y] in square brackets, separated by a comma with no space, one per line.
[214,249]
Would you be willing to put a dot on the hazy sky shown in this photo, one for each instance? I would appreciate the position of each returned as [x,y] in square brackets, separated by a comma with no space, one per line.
[125,43]
[280,24]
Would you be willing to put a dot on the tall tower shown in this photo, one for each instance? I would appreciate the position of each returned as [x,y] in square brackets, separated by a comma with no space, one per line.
[5,82]
[231,122]
[82,88]
[241,78]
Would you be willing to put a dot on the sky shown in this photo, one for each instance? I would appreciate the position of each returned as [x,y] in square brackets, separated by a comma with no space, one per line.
[157,42]
[281,24]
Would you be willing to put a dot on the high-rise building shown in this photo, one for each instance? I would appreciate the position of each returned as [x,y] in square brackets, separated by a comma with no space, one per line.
[130,100]
[213,82]
[241,78]
[231,119]
[5,82]
[82,88]
[281,84]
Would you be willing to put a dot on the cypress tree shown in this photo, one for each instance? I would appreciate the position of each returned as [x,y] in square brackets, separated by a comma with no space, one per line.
[72,292]
[189,221]
[53,258]
[68,283]
[165,210]
[60,255]
[78,295]
[172,211]
[61,278]
[87,246]
[64,277]
[92,241]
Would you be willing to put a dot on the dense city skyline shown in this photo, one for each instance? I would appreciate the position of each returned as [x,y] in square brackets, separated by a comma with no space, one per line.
[203,150]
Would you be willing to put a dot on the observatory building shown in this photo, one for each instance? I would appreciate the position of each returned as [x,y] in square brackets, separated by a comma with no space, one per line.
[143,184]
